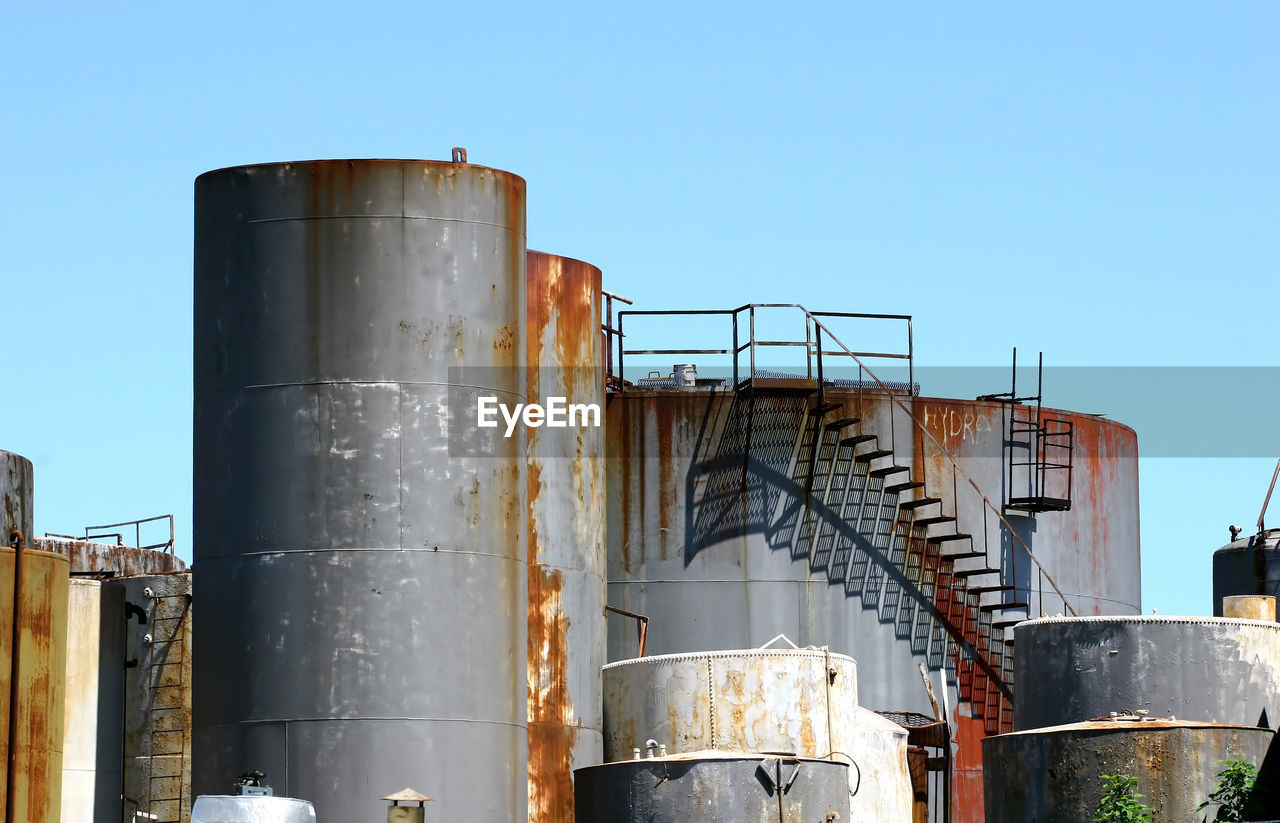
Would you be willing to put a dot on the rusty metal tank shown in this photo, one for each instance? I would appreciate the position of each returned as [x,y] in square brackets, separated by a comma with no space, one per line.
[1218,670]
[1054,775]
[712,787]
[364,536]
[566,644]
[801,701]
[717,533]
[109,560]
[16,495]
[93,739]
[1250,565]
[35,795]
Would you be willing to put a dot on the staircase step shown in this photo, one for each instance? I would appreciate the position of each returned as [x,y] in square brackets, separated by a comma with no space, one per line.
[973,572]
[1002,606]
[842,423]
[964,556]
[991,587]
[945,538]
[919,502]
[874,454]
[888,470]
[856,439]
[934,520]
[896,488]
[823,408]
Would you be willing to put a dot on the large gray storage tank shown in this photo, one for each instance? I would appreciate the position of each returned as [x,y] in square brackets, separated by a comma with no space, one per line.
[1250,565]
[1218,670]
[365,554]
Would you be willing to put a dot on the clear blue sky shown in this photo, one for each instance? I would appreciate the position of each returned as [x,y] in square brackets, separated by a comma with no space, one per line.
[1096,180]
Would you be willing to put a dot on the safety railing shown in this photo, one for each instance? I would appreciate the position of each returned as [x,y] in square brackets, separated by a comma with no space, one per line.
[746,343]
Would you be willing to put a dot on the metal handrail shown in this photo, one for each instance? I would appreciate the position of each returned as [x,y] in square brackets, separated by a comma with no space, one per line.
[813,350]
[137,527]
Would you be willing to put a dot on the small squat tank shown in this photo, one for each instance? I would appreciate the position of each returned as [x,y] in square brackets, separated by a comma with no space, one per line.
[1250,565]
[712,787]
[802,701]
[1054,775]
[1219,670]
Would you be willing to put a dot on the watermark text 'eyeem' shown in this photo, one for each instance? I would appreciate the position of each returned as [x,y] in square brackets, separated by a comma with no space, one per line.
[558,413]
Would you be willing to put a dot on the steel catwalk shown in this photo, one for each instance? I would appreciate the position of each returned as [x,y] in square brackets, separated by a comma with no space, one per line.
[368,560]
[1218,670]
[565,535]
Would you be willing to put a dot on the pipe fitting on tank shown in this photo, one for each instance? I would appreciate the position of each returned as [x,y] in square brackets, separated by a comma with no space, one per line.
[651,746]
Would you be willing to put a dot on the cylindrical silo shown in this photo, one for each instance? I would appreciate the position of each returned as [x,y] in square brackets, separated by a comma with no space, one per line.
[738,515]
[715,786]
[1055,775]
[362,536]
[93,742]
[566,531]
[801,701]
[1218,670]
[35,795]
[16,499]
[1250,565]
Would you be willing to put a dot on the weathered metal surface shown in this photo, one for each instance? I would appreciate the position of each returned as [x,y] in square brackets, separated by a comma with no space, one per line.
[1250,565]
[16,495]
[251,809]
[801,701]
[1054,775]
[93,741]
[721,546]
[1250,607]
[35,796]
[87,557]
[1206,669]
[709,789]
[158,696]
[566,643]
[374,580]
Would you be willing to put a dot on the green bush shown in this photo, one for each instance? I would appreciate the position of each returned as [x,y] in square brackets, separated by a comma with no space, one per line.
[1120,803]
[1235,783]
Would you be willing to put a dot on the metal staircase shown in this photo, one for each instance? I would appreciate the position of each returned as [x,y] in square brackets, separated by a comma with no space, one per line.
[869,523]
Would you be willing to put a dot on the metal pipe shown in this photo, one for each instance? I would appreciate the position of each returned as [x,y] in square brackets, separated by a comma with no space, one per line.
[642,625]
[1267,501]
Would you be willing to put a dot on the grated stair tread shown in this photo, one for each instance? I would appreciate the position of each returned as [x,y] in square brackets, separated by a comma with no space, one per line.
[919,502]
[934,520]
[856,439]
[842,423]
[888,470]
[874,454]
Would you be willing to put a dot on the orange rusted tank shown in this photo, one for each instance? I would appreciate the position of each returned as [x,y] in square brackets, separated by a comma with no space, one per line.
[566,532]
[35,793]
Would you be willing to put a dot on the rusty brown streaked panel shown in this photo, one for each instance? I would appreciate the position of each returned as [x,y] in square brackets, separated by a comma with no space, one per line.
[566,534]
[36,795]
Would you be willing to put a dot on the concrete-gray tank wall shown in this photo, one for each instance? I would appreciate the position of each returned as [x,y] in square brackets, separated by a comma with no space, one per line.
[1250,565]
[1055,775]
[1218,670]
[17,483]
[366,552]
[705,550]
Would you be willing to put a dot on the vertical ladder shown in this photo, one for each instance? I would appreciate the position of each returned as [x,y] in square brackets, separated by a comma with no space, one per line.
[167,685]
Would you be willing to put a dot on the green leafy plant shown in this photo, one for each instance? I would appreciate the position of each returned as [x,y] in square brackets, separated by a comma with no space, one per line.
[1120,802]
[1235,783]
